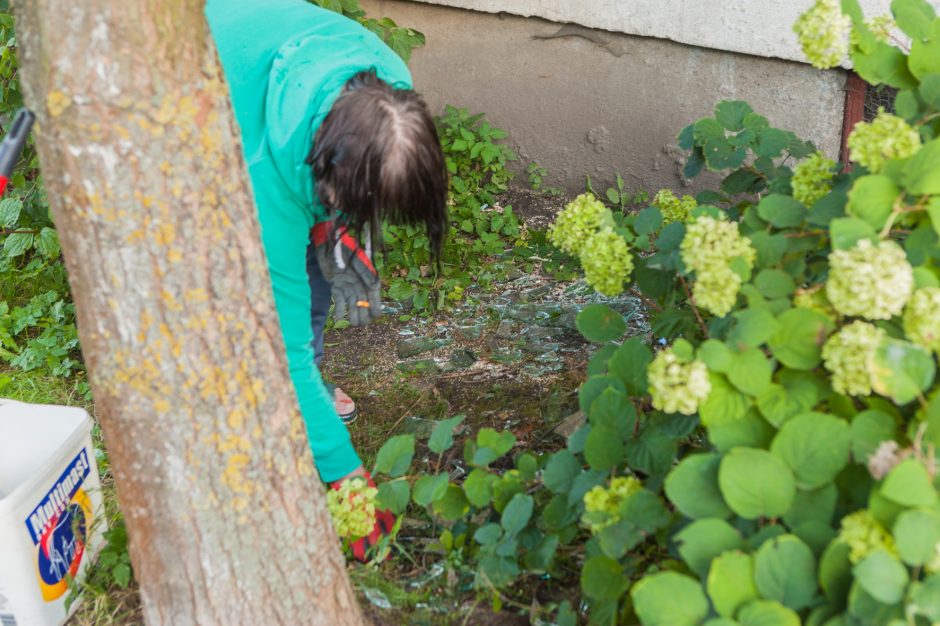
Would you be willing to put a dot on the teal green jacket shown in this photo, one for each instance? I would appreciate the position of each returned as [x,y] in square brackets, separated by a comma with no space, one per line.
[286,62]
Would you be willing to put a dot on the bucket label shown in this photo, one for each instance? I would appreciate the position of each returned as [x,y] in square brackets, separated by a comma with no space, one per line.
[58,526]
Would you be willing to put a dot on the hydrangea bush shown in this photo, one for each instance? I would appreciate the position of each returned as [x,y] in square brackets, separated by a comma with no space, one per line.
[772,464]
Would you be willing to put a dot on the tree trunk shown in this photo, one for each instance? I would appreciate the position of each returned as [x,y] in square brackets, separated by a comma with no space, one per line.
[143,166]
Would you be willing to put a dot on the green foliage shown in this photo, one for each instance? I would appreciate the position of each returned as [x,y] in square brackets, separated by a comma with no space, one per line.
[773,492]
[481,230]
[399,38]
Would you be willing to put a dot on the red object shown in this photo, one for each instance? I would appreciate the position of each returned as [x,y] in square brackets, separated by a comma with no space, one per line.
[12,145]
[854,112]
[384,522]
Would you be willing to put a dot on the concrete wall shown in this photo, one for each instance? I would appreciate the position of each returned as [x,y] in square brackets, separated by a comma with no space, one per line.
[587,101]
[755,27]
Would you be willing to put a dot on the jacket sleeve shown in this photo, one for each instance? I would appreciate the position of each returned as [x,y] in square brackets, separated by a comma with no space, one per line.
[285,232]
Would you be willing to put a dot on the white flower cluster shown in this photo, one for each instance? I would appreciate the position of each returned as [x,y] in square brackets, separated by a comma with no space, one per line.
[352,508]
[602,505]
[886,137]
[922,318]
[812,178]
[823,33]
[847,354]
[675,385]
[579,220]
[863,534]
[870,280]
[708,248]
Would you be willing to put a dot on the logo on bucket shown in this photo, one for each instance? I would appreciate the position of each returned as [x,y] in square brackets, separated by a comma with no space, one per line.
[58,527]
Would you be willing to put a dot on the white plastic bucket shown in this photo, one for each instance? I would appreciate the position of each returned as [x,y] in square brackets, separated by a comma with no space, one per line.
[50,495]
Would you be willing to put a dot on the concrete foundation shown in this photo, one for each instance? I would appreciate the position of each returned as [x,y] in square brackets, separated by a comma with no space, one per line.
[582,101]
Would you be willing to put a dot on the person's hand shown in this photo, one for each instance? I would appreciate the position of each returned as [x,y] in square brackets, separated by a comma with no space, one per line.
[384,520]
[348,267]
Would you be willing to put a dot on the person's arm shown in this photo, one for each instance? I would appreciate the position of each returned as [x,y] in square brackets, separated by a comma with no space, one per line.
[285,235]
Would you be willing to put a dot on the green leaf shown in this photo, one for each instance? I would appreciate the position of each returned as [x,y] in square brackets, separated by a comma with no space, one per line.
[909,484]
[751,431]
[755,483]
[882,576]
[715,355]
[870,428]
[603,449]
[835,572]
[817,505]
[17,244]
[47,243]
[652,452]
[707,129]
[648,221]
[517,513]
[394,496]
[602,578]
[692,486]
[488,534]
[429,488]
[752,328]
[491,445]
[644,510]
[594,386]
[847,231]
[669,599]
[771,142]
[750,371]
[770,247]
[10,209]
[560,471]
[121,573]
[724,404]
[442,437]
[617,539]
[914,17]
[629,364]
[884,64]
[730,114]
[539,559]
[798,343]
[479,487]
[922,173]
[917,534]
[815,446]
[778,403]
[600,323]
[702,541]
[613,411]
[781,211]
[767,613]
[785,571]
[730,582]
[872,199]
[925,598]
[901,370]
[924,59]
[774,283]
[453,505]
[394,458]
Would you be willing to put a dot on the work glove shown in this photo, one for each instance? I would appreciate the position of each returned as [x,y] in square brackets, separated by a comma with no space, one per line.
[384,522]
[348,267]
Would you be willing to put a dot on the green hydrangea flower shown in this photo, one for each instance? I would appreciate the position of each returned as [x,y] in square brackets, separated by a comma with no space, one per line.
[352,508]
[581,218]
[873,281]
[863,534]
[602,505]
[814,299]
[886,137]
[812,178]
[823,33]
[846,354]
[672,208]
[677,386]
[922,318]
[607,262]
[708,248]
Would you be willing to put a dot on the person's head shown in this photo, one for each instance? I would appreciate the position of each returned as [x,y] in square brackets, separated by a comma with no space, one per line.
[376,157]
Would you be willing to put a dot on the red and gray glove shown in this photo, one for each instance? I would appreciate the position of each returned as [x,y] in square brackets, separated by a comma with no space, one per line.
[384,522]
[348,267]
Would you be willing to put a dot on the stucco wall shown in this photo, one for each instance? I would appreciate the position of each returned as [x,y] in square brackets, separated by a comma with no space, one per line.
[585,101]
[756,27]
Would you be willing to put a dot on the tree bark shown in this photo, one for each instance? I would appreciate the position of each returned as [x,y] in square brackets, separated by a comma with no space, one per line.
[143,166]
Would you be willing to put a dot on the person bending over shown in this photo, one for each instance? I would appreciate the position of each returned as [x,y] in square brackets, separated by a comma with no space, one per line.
[336,142]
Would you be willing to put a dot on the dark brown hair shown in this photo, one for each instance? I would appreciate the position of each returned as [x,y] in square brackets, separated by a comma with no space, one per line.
[377,156]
